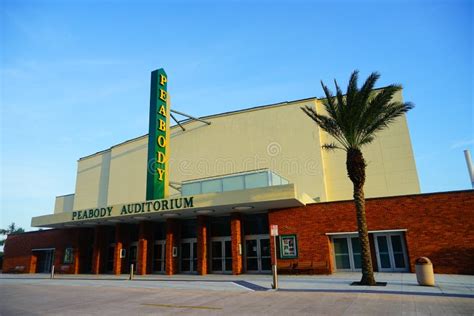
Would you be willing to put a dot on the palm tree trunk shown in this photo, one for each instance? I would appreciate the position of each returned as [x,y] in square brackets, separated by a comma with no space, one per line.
[355,164]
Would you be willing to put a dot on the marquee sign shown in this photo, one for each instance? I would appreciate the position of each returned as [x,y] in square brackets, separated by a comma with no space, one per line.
[158,137]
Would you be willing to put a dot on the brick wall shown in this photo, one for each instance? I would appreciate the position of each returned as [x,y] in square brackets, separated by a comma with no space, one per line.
[439,226]
[18,248]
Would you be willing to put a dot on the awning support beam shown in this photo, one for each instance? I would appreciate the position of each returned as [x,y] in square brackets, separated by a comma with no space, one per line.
[174,118]
[191,117]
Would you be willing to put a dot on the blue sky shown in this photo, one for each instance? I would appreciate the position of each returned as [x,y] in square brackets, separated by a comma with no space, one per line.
[75,75]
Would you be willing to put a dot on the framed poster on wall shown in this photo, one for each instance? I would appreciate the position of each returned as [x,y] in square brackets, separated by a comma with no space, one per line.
[288,247]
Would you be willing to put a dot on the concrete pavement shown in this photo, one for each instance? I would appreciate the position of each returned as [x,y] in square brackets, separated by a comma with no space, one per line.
[244,294]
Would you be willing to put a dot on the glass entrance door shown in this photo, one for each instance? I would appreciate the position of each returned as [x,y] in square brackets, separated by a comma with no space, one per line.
[257,253]
[347,253]
[110,258]
[391,254]
[45,260]
[221,254]
[188,261]
[159,256]
[133,255]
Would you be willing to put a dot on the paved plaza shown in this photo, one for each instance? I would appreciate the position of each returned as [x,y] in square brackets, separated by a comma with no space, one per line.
[36,294]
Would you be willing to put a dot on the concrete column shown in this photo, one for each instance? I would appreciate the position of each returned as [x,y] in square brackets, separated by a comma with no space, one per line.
[118,248]
[172,240]
[144,239]
[33,261]
[97,254]
[202,235]
[236,235]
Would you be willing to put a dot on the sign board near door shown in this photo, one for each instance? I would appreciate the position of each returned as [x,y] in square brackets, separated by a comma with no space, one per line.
[273,230]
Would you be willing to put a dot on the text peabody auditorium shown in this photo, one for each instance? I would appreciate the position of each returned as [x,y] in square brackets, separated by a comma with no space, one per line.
[135,208]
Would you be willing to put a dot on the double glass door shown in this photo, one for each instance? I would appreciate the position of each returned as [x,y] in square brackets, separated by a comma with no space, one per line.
[132,259]
[221,254]
[347,253]
[110,258]
[391,254]
[44,261]
[188,260]
[257,253]
[159,256]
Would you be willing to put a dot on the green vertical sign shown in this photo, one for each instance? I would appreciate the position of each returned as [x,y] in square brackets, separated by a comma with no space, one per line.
[158,135]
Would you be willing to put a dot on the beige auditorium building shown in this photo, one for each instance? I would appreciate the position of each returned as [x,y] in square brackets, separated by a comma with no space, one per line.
[278,137]
[232,175]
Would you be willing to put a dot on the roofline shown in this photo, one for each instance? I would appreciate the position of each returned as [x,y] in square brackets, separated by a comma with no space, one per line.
[207,117]
[399,196]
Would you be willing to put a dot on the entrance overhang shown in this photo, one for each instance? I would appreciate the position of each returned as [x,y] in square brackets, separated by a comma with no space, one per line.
[222,203]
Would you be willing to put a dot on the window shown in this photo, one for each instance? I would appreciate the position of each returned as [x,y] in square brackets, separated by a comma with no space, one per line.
[256,180]
[68,255]
[288,247]
[211,186]
[233,183]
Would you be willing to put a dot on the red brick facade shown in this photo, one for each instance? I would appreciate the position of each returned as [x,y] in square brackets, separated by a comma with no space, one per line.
[438,226]
[172,241]
[20,257]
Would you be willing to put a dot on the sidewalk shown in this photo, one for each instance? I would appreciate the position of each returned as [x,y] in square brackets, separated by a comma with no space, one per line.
[397,283]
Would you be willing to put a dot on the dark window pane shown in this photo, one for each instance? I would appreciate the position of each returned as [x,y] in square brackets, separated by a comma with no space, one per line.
[185,265]
[357,262]
[342,262]
[397,244]
[382,242]
[185,251]
[217,265]
[265,247]
[355,245]
[188,228]
[385,261]
[256,224]
[251,248]
[340,246]
[216,249]
[266,264]
[220,226]
[159,231]
[133,231]
[252,264]
[228,264]
[399,260]
[228,249]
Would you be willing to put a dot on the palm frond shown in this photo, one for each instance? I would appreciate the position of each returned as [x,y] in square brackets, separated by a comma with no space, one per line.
[331,146]
[354,119]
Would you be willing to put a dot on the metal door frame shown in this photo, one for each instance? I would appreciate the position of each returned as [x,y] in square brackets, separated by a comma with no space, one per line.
[133,244]
[193,270]
[222,240]
[161,242]
[259,252]
[390,252]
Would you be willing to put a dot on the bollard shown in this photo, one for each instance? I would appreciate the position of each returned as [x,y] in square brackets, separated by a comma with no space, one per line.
[131,272]
[275,266]
[424,271]
[52,271]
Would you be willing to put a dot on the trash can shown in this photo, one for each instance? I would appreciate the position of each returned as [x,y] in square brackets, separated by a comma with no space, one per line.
[424,271]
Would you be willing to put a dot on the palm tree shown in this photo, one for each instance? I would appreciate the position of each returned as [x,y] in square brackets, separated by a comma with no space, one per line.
[10,230]
[353,121]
